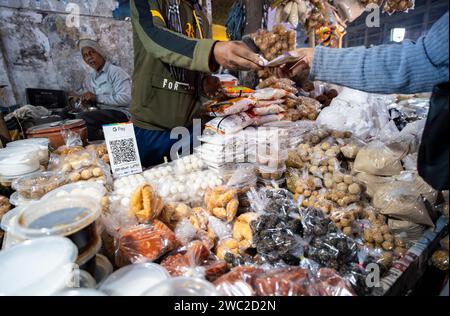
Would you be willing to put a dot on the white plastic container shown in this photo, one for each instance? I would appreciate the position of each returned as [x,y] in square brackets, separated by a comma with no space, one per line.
[38,267]
[134,280]
[183,286]
[41,144]
[15,162]
[80,292]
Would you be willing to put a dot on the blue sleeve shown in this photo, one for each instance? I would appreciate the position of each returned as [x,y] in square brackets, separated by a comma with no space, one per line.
[406,68]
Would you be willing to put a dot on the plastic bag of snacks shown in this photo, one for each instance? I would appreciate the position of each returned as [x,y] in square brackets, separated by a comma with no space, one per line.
[238,92]
[266,110]
[101,150]
[289,281]
[380,159]
[222,203]
[195,260]
[229,107]
[329,283]
[400,201]
[393,6]
[146,242]
[238,282]
[230,124]
[145,204]
[82,166]
[275,43]
[276,231]
[269,94]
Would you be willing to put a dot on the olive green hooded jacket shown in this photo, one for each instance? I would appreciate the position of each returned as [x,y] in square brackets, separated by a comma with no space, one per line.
[159,102]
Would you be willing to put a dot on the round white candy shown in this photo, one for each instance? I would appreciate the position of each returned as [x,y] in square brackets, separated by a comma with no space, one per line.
[173,189]
[181,188]
[204,185]
[125,202]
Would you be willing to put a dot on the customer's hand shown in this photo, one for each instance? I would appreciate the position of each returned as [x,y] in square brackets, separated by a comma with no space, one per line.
[235,55]
[88,98]
[301,67]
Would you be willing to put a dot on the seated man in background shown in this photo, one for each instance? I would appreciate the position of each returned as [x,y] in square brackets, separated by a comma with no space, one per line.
[107,87]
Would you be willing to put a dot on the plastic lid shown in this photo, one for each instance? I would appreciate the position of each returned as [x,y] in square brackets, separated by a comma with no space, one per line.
[29,182]
[60,216]
[134,280]
[81,188]
[183,286]
[16,200]
[18,153]
[36,267]
[41,142]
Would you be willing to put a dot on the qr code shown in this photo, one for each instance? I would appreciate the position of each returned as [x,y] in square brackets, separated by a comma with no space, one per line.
[123,151]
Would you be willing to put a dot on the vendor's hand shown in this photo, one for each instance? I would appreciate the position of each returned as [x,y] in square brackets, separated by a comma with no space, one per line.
[298,68]
[88,98]
[235,55]
[212,87]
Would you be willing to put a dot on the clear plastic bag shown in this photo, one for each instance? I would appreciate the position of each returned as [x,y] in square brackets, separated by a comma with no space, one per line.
[145,204]
[290,281]
[380,159]
[329,283]
[230,107]
[238,282]
[71,138]
[269,94]
[238,92]
[230,124]
[400,201]
[222,202]
[147,242]
[194,260]
[266,110]
[82,166]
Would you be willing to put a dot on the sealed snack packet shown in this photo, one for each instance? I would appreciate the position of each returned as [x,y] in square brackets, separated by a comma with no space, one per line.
[225,108]
[230,124]
[238,92]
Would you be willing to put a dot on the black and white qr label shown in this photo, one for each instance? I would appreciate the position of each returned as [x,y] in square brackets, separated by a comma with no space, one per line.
[122,149]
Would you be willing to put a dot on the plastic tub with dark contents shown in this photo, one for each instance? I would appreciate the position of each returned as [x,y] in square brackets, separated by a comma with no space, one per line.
[73,217]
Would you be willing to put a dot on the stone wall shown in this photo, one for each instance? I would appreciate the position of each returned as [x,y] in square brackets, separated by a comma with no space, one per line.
[38,46]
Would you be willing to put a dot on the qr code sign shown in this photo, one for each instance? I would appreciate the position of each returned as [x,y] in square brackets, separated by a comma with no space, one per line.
[123,151]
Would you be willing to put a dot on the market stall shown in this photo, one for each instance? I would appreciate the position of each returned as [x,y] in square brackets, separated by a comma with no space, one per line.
[295,190]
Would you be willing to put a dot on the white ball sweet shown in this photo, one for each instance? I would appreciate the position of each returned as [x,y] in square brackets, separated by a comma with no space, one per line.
[181,188]
[173,189]
[125,202]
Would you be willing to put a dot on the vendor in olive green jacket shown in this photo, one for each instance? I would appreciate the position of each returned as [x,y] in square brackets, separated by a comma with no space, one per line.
[171,57]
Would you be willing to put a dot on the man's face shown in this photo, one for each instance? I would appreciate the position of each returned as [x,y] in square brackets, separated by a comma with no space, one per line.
[92,58]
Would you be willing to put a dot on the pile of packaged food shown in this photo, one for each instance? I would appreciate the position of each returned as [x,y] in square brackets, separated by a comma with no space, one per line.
[289,207]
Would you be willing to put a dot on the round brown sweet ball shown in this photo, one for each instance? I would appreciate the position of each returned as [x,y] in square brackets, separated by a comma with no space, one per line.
[354,188]
[348,179]
[74,177]
[385,229]
[342,187]
[368,236]
[387,245]
[345,222]
[387,258]
[348,231]
[388,237]
[399,242]
[86,174]
[378,238]
[399,251]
